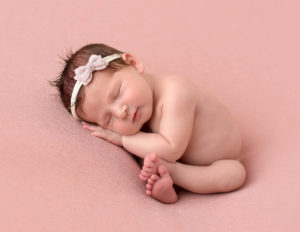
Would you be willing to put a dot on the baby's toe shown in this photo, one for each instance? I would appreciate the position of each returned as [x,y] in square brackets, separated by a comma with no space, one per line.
[144,172]
[147,169]
[148,192]
[143,177]
[149,165]
[154,177]
[162,170]
[153,157]
[150,181]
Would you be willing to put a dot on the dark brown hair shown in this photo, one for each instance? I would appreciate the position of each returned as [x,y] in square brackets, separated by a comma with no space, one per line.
[65,80]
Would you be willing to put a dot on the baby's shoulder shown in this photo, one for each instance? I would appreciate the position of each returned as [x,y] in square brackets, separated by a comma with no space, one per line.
[179,86]
[179,90]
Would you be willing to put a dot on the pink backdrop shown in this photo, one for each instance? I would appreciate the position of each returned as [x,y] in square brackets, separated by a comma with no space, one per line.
[54,176]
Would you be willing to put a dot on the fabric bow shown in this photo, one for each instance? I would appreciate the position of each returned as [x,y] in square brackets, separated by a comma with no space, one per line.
[84,73]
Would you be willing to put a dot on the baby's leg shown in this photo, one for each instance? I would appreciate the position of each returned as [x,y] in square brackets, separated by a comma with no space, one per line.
[220,176]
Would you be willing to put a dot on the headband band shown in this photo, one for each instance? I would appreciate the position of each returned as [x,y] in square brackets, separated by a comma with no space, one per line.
[83,75]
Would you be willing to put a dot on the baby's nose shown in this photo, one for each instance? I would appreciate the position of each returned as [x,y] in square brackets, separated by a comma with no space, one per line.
[122,111]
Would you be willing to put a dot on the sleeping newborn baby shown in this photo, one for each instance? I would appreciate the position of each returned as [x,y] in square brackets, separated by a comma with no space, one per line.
[184,136]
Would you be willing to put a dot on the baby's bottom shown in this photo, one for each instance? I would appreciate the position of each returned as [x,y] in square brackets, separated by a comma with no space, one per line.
[220,176]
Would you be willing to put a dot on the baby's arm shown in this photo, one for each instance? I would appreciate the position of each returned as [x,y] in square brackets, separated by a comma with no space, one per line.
[173,137]
[174,131]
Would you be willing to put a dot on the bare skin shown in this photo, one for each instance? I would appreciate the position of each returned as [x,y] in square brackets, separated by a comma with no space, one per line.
[160,186]
[185,136]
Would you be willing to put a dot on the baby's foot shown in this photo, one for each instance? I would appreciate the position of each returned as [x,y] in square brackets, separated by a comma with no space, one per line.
[151,163]
[161,187]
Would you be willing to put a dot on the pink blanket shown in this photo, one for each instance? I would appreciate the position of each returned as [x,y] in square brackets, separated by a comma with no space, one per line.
[54,176]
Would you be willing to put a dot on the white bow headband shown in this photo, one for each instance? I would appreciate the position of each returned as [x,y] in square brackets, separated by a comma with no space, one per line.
[83,75]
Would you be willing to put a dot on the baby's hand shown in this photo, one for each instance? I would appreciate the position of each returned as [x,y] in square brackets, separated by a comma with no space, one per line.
[100,132]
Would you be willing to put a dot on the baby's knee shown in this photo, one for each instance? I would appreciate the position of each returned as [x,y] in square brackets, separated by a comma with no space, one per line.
[238,177]
[241,174]
[235,178]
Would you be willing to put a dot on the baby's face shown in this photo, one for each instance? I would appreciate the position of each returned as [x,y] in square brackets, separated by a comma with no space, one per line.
[120,101]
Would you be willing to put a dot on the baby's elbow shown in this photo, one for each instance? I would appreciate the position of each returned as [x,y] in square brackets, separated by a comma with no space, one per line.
[175,155]
[173,151]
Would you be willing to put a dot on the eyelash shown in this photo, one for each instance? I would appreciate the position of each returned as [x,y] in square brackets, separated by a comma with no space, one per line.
[108,120]
[118,93]
[116,96]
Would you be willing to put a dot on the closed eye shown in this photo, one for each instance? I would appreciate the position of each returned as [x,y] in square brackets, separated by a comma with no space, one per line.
[118,91]
[108,119]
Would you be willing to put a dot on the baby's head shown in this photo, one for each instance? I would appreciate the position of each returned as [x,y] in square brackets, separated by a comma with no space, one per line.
[109,88]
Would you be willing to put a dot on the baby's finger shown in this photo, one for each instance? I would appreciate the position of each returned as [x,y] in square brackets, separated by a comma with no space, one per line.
[90,127]
[87,127]
[98,134]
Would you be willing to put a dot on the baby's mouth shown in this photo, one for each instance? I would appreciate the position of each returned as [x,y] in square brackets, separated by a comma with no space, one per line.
[135,115]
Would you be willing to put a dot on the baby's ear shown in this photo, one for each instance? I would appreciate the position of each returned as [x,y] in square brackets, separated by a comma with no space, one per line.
[134,62]
[126,57]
